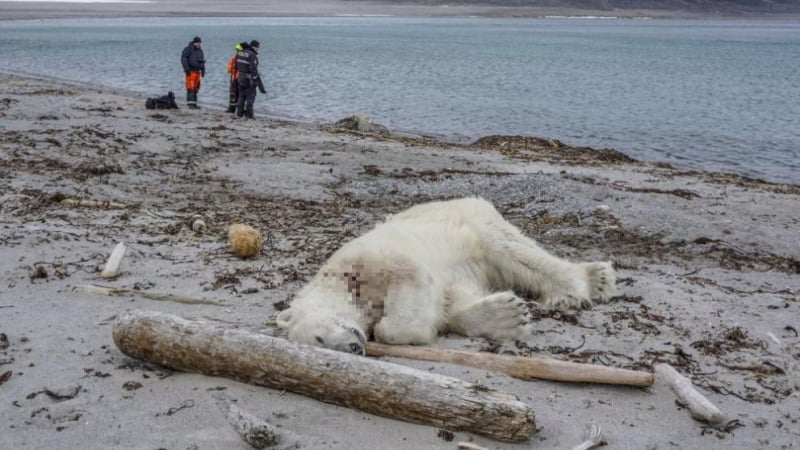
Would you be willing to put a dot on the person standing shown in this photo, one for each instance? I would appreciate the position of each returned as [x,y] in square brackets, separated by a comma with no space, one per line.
[249,79]
[194,66]
[233,87]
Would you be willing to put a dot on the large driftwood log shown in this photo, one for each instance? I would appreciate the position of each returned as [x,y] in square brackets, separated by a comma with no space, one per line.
[523,367]
[390,390]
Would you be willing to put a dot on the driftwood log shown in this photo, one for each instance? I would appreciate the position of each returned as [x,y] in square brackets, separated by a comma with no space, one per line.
[123,292]
[698,405]
[257,432]
[111,270]
[523,367]
[247,354]
[92,203]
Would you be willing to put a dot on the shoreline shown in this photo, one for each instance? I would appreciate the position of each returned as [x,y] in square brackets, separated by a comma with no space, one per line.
[431,137]
[707,270]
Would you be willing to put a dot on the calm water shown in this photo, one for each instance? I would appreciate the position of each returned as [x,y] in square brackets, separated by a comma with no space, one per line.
[713,95]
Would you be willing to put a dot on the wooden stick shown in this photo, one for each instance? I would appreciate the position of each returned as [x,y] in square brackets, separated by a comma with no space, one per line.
[246,354]
[121,292]
[522,367]
[114,261]
[700,407]
[89,203]
[257,432]
[469,446]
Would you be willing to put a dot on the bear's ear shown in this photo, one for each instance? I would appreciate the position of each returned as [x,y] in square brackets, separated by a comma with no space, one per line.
[284,319]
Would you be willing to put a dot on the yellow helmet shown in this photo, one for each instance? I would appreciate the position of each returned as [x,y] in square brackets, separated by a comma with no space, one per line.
[238,47]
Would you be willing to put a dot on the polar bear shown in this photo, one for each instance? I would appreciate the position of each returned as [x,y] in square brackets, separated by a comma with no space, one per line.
[437,267]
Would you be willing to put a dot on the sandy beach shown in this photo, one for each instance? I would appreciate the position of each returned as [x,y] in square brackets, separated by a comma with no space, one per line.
[707,274]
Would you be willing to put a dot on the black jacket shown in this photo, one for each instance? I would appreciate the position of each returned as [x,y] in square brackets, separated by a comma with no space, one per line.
[193,60]
[247,66]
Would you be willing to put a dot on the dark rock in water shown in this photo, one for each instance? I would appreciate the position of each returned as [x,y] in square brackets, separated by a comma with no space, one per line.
[362,125]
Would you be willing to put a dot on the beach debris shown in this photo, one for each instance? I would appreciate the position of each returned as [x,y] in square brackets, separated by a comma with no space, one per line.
[186,404]
[89,203]
[123,292]
[446,435]
[39,271]
[198,224]
[131,385]
[593,438]
[111,269]
[245,240]
[64,393]
[240,352]
[522,367]
[257,432]
[470,446]
[5,376]
[3,341]
[537,148]
[361,124]
[699,406]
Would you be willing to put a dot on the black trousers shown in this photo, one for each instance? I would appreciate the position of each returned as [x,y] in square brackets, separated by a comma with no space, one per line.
[247,96]
[191,98]
[233,95]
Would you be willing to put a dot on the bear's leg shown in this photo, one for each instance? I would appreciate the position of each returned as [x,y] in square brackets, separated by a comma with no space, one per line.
[413,313]
[525,267]
[501,315]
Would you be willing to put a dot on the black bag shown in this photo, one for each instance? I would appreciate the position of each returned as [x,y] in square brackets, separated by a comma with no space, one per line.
[163,102]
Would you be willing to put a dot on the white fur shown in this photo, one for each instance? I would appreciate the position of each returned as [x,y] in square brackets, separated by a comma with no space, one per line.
[440,266]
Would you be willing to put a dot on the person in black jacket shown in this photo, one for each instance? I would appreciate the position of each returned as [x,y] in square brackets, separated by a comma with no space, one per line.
[194,66]
[249,79]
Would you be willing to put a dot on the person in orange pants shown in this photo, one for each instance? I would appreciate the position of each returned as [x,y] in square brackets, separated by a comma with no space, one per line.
[194,66]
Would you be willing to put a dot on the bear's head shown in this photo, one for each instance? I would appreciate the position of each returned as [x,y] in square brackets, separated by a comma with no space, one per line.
[323,330]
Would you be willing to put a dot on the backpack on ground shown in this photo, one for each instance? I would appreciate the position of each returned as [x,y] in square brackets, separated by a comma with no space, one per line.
[163,102]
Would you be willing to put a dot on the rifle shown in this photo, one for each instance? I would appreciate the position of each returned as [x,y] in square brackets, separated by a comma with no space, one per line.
[260,85]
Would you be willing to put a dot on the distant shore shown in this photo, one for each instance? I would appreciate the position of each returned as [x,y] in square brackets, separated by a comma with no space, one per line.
[19,10]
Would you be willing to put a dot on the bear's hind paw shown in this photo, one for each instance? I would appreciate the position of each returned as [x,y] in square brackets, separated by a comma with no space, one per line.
[568,302]
[502,315]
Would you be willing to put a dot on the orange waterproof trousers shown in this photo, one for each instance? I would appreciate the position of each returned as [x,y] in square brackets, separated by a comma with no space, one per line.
[193,81]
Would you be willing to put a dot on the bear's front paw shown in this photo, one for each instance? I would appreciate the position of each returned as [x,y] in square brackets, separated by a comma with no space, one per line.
[602,280]
[388,331]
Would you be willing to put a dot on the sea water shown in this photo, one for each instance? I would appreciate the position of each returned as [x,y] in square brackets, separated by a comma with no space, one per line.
[708,95]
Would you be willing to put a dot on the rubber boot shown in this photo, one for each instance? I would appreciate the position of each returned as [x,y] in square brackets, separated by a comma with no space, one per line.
[191,99]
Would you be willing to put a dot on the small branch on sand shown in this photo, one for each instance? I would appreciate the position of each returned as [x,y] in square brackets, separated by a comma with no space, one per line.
[469,446]
[122,292]
[248,354]
[593,438]
[522,367]
[700,407]
[88,203]
[257,432]
[114,261]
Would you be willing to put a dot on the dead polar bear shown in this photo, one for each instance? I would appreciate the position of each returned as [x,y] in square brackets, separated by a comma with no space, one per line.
[440,266]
